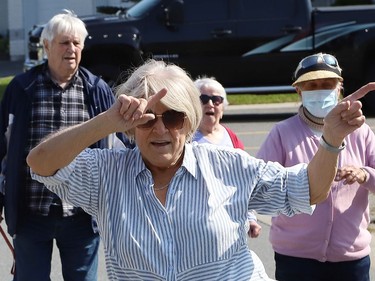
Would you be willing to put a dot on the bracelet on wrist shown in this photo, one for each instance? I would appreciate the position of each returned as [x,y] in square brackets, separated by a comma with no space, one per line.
[330,147]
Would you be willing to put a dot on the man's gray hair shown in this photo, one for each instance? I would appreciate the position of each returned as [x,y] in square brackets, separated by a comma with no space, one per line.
[65,22]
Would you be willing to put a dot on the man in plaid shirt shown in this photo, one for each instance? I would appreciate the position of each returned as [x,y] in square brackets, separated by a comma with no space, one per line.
[47,98]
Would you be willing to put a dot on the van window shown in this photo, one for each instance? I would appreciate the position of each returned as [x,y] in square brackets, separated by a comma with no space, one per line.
[142,8]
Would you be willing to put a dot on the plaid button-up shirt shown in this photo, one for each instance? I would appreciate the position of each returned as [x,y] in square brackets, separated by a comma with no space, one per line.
[53,108]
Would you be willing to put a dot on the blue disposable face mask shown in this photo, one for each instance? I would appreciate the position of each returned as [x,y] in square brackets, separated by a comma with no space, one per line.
[319,102]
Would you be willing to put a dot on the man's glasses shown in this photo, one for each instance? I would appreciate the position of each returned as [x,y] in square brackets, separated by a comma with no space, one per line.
[172,120]
[318,62]
[216,100]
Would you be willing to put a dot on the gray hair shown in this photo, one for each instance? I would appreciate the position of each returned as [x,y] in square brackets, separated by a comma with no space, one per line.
[66,22]
[182,95]
[212,83]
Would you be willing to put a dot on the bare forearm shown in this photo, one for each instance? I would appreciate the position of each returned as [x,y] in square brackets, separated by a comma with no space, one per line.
[321,171]
[59,149]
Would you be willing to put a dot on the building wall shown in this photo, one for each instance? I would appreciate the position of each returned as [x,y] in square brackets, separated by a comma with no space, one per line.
[16,29]
[26,13]
[3,17]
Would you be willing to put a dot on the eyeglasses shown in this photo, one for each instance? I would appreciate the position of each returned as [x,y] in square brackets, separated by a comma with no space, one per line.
[172,120]
[216,100]
[318,62]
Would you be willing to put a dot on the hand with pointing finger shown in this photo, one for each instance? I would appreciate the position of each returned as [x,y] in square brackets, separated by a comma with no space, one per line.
[129,112]
[346,116]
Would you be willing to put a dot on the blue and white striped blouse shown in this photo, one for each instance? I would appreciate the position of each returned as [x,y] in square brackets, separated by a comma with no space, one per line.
[200,233]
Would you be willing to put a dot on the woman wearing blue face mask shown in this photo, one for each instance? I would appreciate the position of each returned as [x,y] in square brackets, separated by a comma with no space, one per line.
[333,243]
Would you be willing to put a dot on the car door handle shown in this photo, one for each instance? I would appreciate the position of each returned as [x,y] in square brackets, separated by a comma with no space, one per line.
[291,29]
[221,32]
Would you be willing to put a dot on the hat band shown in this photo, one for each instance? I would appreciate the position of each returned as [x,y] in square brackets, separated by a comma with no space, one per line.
[316,67]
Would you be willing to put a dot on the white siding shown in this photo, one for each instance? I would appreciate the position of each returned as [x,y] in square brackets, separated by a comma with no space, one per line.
[23,14]
[52,7]
[3,17]
[16,29]
[18,16]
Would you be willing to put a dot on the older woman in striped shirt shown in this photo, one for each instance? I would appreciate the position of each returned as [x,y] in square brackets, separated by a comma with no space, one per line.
[169,209]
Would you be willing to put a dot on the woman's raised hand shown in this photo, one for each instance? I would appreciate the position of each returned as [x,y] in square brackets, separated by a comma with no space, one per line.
[128,112]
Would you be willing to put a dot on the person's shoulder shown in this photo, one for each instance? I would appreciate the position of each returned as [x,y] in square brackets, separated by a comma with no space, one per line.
[213,149]
[198,137]
[24,79]
[94,82]
[290,121]
[365,129]
[226,127]
[222,157]
[92,78]
[229,130]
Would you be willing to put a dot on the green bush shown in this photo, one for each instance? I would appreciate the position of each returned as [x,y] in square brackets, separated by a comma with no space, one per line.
[4,81]
[238,99]
[4,45]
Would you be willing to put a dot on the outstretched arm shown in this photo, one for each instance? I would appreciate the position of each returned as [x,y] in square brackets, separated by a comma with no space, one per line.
[60,148]
[342,120]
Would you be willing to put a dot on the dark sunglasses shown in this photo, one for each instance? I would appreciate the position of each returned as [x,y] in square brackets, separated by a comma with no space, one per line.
[172,120]
[216,100]
[318,62]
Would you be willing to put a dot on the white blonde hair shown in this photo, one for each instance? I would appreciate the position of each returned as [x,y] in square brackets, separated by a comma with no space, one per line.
[211,82]
[182,95]
[66,22]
